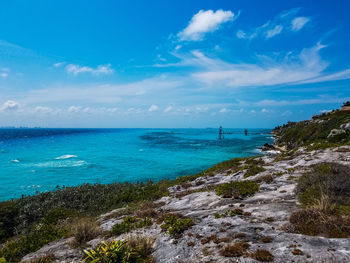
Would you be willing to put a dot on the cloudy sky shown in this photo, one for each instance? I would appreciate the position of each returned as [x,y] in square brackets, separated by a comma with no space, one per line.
[171,63]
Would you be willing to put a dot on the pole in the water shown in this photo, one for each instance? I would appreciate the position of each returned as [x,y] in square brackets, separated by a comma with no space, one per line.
[220,133]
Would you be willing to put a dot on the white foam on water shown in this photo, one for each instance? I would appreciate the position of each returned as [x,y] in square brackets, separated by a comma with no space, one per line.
[60,164]
[15,161]
[68,156]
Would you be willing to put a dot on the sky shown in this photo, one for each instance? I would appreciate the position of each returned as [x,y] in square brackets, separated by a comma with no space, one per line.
[171,64]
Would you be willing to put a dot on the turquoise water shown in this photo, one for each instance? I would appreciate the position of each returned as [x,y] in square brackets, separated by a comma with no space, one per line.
[34,160]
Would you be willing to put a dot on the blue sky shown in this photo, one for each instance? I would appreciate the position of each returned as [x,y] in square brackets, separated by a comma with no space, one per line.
[171,63]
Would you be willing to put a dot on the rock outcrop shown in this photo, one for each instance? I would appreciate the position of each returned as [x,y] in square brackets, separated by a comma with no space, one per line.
[261,220]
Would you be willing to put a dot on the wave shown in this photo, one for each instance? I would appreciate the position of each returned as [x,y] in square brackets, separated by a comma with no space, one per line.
[15,161]
[61,164]
[68,156]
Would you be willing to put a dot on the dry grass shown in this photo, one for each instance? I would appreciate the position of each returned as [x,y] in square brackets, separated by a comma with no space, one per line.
[236,250]
[315,222]
[146,209]
[297,252]
[266,239]
[263,255]
[48,258]
[239,235]
[142,244]
[84,230]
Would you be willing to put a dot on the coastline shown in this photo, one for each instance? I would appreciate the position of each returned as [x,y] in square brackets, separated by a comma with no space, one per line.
[243,209]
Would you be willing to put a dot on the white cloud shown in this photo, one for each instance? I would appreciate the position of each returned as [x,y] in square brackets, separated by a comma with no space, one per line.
[223,110]
[274,31]
[264,110]
[100,70]
[58,64]
[291,69]
[275,103]
[43,110]
[10,105]
[153,108]
[299,22]
[287,113]
[3,74]
[285,21]
[204,22]
[74,109]
[169,109]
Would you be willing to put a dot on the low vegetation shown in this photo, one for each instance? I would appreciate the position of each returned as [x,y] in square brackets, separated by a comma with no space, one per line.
[175,225]
[314,133]
[253,170]
[324,193]
[263,255]
[237,189]
[134,251]
[130,223]
[236,250]
[84,230]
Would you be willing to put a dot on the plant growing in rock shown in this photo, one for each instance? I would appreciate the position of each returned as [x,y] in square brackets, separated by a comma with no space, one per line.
[175,226]
[236,250]
[112,252]
[324,193]
[263,255]
[84,230]
[129,223]
[253,170]
[48,258]
[237,189]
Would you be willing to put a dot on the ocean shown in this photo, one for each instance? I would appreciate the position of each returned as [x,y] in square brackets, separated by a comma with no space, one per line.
[38,160]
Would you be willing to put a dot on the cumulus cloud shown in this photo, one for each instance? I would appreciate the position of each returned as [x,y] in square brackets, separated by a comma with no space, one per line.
[204,22]
[153,108]
[10,105]
[299,22]
[100,70]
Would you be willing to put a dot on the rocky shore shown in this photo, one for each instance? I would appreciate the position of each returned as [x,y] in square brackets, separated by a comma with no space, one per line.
[261,220]
[290,205]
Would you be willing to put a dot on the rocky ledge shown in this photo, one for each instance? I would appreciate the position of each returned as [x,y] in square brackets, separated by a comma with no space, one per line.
[240,229]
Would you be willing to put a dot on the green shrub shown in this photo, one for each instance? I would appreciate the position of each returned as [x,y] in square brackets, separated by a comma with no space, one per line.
[15,249]
[130,223]
[315,222]
[237,189]
[230,213]
[253,170]
[175,226]
[324,193]
[8,219]
[112,252]
[328,179]
[3,260]
[303,133]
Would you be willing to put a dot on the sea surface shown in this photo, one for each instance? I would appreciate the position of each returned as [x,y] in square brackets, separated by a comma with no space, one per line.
[38,160]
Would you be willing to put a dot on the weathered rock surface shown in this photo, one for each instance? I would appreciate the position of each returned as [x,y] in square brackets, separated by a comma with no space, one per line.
[335,132]
[266,214]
